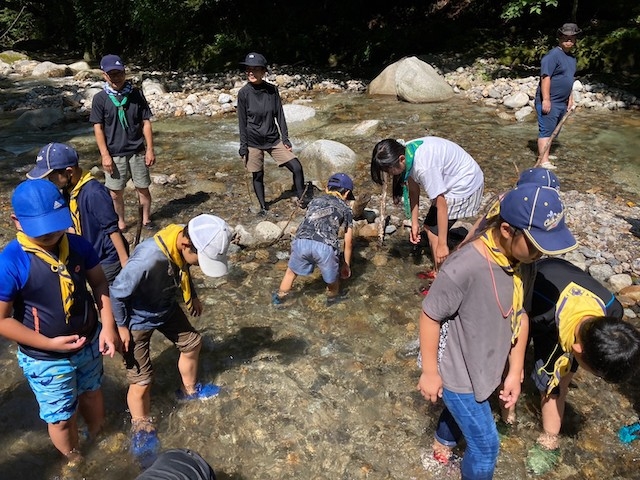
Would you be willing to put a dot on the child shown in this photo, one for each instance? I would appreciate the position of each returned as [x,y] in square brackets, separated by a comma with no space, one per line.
[450,177]
[316,242]
[91,207]
[575,321]
[474,320]
[121,121]
[144,300]
[46,308]
[263,128]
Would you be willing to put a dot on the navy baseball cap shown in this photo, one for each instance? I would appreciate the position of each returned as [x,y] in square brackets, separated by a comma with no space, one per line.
[254,59]
[342,180]
[53,156]
[539,176]
[40,208]
[539,213]
[111,62]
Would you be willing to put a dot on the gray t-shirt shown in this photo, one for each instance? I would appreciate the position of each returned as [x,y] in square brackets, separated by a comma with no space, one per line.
[476,340]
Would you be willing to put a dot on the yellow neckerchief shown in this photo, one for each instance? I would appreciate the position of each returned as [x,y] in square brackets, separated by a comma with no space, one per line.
[334,193]
[574,304]
[502,261]
[167,240]
[85,176]
[58,265]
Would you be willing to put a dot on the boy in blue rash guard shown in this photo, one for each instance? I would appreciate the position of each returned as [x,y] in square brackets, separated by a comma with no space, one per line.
[91,207]
[46,308]
[554,96]
[144,300]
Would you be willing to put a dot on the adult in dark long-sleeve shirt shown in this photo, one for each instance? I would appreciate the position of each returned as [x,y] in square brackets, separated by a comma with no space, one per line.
[263,128]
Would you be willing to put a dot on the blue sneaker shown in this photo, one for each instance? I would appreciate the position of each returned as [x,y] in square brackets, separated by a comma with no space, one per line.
[203,392]
[629,433]
[145,447]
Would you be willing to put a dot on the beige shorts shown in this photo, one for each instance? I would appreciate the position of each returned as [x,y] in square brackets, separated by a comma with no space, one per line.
[137,360]
[125,167]
[255,158]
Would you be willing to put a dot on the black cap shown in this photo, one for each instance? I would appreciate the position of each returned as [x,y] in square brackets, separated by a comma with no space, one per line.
[255,60]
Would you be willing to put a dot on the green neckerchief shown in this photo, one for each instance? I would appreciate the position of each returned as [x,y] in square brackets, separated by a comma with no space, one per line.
[120,106]
[409,152]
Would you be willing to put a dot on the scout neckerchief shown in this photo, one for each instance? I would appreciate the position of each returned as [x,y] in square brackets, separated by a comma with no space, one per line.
[494,254]
[126,90]
[167,240]
[574,304]
[409,153]
[58,265]
[85,177]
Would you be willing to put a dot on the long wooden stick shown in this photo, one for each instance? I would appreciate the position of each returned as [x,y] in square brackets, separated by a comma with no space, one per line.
[383,209]
[554,134]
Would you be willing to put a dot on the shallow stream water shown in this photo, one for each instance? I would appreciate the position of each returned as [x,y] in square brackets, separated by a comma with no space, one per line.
[311,392]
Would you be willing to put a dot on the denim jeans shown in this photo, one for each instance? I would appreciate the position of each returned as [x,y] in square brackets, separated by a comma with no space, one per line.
[463,415]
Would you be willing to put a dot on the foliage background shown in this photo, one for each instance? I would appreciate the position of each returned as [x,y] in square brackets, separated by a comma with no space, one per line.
[357,36]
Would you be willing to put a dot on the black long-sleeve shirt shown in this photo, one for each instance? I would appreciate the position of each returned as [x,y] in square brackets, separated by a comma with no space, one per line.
[259,108]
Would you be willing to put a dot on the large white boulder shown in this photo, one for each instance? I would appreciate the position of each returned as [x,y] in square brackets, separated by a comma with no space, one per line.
[298,113]
[419,82]
[322,158]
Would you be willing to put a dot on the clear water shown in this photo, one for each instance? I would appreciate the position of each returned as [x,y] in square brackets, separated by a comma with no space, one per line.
[309,391]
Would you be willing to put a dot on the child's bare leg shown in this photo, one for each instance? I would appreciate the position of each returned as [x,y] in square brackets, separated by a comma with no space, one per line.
[91,407]
[139,401]
[188,368]
[287,282]
[433,245]
[64,436]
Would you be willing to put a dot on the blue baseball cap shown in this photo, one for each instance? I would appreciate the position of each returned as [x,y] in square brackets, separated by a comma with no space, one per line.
[539,176]
[40,208]
[539,213]
[111,62]
[342,180]
[53,156]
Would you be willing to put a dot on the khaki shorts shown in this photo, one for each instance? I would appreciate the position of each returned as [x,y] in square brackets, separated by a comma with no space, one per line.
[125,167]
[255,158]
[178,330]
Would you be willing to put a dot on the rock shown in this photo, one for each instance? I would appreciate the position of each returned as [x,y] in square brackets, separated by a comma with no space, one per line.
[369,230]
[76,67]
[152,87]
[39,119]
[523,113]
[601,272]
[225,98]
[620,281]
[379,260]
[298,113]
[365,128]
[518,100]
[630,313]
[267,232]
[418,82]
[631,291]
[385,82]
[324,157]
[49,70]
[625,301]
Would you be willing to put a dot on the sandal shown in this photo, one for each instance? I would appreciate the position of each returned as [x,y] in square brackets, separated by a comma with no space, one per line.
[430,275]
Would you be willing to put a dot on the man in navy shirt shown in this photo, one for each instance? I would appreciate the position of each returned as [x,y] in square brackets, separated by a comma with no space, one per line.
[554,94]
[92,211]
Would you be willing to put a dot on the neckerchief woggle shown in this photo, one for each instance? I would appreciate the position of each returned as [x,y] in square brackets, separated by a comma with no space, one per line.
[85,177]
[58,265]
[167,239]
[409,153]
[126,90]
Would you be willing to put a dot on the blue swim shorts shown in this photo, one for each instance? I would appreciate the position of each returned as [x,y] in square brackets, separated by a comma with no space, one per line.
[57,383]
[547,123]
[306,254]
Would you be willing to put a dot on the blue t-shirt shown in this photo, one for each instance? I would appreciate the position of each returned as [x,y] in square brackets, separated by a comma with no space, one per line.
[98,220]
[34,289]
[561,67]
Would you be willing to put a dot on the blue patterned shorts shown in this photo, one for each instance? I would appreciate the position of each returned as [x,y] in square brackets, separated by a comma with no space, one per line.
[57,383]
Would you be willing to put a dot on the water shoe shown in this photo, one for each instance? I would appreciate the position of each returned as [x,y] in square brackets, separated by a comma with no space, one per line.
[202,392]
